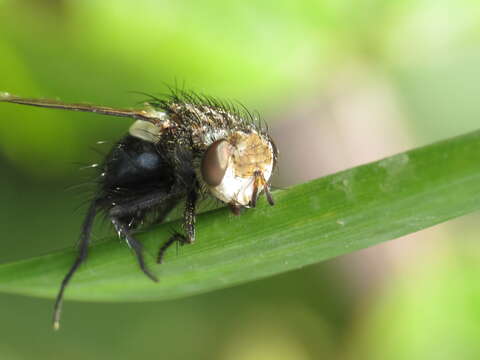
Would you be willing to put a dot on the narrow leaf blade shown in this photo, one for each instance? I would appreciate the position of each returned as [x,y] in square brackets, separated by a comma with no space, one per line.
[311,222]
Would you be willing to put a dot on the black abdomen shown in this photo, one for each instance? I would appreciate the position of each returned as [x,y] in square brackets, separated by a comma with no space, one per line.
[135,165]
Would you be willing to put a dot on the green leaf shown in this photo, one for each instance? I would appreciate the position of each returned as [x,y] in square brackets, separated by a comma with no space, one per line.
[311,222]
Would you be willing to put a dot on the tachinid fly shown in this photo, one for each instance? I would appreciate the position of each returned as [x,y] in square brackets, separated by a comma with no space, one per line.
[180,147]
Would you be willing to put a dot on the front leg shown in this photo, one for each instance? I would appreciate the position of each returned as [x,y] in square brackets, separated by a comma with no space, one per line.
[188,226]
[189,216]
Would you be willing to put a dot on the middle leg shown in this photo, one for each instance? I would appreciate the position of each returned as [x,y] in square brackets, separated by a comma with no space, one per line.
[188,226]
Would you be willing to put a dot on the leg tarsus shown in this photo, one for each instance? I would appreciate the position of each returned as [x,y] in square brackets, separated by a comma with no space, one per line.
[138,248]
[123,231]
[175,238]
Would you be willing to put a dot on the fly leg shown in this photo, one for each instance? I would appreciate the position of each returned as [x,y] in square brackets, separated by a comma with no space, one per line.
[125,216]
[124,231]
[81,256]
[162,200]
[188,226]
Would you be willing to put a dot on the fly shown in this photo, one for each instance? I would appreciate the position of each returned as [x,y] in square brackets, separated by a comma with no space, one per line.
[179,148]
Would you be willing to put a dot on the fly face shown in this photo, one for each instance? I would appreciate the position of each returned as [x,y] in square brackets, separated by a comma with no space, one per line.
[238,168]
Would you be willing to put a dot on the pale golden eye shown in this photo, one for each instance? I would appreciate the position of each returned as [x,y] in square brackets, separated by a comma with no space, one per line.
[215,162]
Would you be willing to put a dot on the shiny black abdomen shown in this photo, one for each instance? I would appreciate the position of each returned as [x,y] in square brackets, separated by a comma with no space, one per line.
[135,166]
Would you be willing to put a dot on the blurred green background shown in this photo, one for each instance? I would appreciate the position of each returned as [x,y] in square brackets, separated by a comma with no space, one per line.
[340,82]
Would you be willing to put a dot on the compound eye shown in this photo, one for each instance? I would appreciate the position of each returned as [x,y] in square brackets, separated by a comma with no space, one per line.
[215,162]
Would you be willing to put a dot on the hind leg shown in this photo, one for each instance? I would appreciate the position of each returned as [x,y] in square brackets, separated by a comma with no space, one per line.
[127,215]
[124,231]
[81,256]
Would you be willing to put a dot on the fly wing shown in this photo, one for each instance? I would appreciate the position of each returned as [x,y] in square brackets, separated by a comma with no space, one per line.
[150,116]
